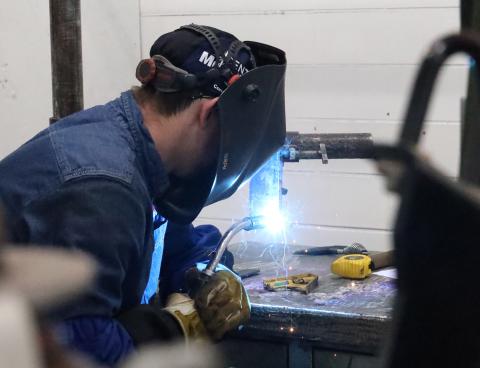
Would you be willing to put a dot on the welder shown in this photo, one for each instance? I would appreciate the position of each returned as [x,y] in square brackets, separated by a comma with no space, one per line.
[123,182]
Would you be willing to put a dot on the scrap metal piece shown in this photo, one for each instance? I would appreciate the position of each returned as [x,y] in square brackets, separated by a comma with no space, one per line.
[304,282]
[248,272]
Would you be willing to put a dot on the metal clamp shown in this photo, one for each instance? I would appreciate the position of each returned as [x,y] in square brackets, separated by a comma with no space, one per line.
[323,151]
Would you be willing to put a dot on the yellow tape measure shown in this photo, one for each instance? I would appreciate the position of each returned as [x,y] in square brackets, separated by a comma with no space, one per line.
[353,266]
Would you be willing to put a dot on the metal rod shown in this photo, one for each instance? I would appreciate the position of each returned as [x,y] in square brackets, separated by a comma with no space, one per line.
[66,54]
[327,146]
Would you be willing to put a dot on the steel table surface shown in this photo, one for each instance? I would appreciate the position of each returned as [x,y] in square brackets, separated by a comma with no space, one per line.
[338,314]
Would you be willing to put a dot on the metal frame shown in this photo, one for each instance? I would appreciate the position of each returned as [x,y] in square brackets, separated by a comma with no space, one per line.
[469,163]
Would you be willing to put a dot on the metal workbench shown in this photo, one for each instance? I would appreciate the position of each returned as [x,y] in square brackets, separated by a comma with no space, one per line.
[342,323]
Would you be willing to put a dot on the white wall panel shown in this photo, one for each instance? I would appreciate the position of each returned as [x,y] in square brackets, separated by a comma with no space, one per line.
[333,201]
[111,48]
[378,240]
[368,92]
[357,37]
[155,7]
[325,199]
[351,67]
[25,84]
[339,200]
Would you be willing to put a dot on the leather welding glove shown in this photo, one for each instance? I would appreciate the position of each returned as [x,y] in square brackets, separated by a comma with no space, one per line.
[182,309]
[178,320]
[221,301]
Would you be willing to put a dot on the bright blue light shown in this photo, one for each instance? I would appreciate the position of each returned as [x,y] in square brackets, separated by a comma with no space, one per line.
[273,219]
[266,195]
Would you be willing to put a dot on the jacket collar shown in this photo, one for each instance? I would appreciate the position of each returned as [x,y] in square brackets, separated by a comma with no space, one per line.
[147,155]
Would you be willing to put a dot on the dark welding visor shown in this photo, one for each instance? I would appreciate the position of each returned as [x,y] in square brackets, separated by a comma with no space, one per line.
[251,115]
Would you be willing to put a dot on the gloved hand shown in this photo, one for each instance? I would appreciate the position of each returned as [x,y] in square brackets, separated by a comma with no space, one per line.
[221,301]
[182,308]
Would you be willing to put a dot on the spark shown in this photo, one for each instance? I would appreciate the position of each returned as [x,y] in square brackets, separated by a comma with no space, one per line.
[274,219]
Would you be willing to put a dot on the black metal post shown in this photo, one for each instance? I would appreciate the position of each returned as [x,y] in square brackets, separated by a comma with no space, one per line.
[466,13]
[66,50]
[470,153]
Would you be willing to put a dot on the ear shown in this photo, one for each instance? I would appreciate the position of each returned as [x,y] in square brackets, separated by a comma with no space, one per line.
[206,108]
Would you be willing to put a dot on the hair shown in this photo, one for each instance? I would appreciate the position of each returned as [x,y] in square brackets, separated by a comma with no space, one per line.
[166,104]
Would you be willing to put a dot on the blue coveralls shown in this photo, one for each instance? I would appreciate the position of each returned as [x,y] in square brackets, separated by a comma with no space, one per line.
[88,182]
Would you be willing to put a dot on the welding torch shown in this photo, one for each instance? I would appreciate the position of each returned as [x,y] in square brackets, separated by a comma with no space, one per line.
[246,224]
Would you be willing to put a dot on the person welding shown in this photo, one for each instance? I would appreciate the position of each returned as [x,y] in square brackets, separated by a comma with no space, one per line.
[123,182]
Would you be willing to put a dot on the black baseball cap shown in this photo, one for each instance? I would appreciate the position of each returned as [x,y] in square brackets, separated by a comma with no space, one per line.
[190,50]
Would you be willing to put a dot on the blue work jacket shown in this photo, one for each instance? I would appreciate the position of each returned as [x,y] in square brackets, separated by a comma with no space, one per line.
[88,182]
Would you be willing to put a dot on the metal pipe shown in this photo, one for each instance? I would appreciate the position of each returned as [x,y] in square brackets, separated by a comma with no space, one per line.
[327,146]
[247,224]
[66,55]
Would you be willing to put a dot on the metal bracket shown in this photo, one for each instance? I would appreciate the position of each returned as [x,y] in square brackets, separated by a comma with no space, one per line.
[323,151]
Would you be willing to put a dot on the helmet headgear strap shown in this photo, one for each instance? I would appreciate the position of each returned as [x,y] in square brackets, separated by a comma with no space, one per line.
[165,77]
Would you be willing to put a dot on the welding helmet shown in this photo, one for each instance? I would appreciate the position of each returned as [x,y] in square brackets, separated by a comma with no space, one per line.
[248,77]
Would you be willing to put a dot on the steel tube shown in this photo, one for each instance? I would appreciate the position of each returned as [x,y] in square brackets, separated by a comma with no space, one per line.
[66,55]
[331,146]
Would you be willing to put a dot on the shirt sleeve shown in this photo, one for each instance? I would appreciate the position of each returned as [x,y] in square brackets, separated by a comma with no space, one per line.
[104,219]
[104,340]
[108,341]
